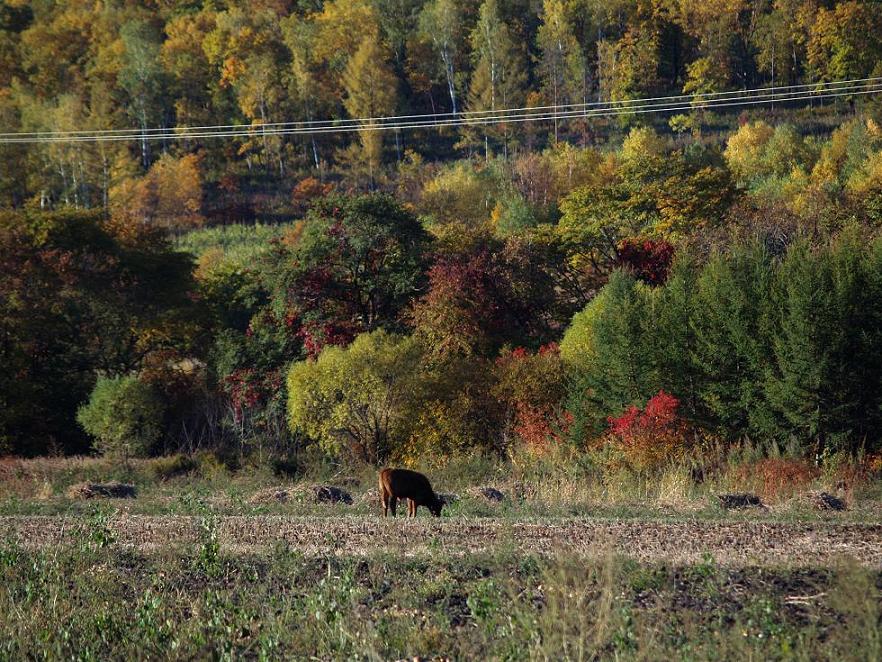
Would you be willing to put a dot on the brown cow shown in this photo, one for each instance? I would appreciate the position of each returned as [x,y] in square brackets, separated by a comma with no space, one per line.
[403,484]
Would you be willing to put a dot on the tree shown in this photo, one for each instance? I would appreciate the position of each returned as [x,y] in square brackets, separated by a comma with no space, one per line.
[370,92]
[142,78]
[621,373]
[441,25]
[845,41]
[357,264]
[745,149]
[80,295]
[168,196]
[187,65]
[634,70]
[499,72]
[825,380]
[732,339]
[247,50]
[359,401]
[124,415]
[561,64]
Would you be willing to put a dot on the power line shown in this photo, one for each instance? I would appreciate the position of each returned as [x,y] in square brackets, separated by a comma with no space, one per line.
[476,118]
[787,89]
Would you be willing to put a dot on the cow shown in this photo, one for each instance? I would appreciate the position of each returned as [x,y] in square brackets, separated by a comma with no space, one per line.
[404,484]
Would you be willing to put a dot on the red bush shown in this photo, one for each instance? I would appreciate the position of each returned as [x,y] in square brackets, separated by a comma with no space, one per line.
[652,436]
[540,427]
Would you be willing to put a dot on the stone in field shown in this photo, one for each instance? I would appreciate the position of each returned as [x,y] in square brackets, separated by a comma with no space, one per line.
[488,493]
[738,501]
[111,490]
[826,501]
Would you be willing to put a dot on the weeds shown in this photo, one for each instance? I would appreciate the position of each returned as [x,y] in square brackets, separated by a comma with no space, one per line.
[284,605]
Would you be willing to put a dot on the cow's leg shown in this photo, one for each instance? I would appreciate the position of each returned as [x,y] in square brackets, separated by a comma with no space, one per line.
[393,504]
[384,499]
[413,508]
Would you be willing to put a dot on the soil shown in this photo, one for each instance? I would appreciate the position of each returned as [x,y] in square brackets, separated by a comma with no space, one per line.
[734,544]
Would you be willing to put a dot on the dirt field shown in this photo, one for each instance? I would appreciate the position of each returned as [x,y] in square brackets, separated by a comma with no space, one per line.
[729,543]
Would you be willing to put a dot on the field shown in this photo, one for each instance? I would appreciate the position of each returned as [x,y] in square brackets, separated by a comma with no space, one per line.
[214,565]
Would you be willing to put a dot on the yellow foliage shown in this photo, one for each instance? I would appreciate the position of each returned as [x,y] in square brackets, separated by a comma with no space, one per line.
[460,194]
[868,179]
[641,144]
[744,149]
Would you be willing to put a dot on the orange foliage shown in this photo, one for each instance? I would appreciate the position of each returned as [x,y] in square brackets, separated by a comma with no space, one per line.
[308,190]
[775,478]
[168,196]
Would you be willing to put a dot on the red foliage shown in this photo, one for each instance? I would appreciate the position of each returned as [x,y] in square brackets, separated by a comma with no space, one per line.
[316,336]
[539,427]
[650,260]
[651,436]
[249,391]
[461,311]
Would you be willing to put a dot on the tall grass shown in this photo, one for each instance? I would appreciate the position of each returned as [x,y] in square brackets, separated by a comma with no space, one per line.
[241,243]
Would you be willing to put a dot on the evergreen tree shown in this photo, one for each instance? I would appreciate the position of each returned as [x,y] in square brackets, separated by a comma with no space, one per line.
[825,378]
[621,373]
[731,345]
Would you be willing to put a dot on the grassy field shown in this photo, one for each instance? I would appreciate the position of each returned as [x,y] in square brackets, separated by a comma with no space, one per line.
[205,563]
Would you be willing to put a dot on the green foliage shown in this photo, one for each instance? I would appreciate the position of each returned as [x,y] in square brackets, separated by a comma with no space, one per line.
[79,294]
[750,343]
[124,415]
[618,374]
[825,383]
[359,401]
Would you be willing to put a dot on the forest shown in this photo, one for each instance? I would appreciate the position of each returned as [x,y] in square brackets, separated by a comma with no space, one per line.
[636,288]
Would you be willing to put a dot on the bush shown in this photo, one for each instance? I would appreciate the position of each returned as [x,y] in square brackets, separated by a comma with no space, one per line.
[124,415]
[775,478]
[650,438]
[166,468]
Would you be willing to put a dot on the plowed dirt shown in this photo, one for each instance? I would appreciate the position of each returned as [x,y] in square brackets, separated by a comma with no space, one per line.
[730,543]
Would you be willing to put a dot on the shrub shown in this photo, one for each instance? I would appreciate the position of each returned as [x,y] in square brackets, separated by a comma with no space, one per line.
[775,478]
[650,438]
[124,415]
[166,468]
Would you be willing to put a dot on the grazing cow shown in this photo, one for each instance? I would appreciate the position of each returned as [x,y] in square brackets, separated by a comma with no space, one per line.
[403,484]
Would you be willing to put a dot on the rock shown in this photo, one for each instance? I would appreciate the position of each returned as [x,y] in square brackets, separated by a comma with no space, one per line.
[488,493]
[331,494]
[826,501]
[111,490]
[738,501]
[448,498]
[272,495]
[314,493]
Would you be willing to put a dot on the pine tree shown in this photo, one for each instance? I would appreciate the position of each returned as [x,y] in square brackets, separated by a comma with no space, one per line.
[732,353]
[621,373]
[825,379]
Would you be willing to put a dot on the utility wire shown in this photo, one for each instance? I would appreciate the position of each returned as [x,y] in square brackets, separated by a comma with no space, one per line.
[476,118]
[788,89]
